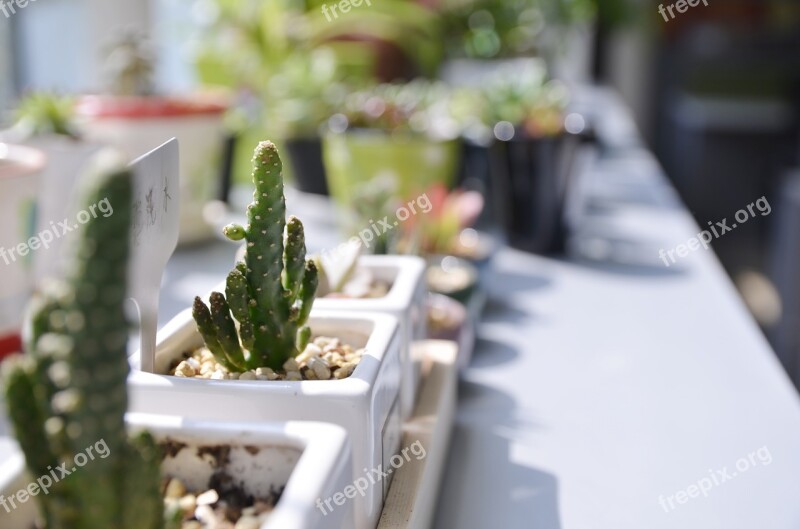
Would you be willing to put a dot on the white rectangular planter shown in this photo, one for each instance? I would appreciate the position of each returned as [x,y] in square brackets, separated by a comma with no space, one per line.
[406,300]
[366,404]
[311,460]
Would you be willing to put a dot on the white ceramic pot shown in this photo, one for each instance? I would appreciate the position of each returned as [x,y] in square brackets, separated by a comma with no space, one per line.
[311,460]
[366,404]
[139,125]
[20,182]
[406,300]
[67,160]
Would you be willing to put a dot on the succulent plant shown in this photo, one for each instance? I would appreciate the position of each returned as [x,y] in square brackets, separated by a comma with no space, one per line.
[451,212]
[524,97]
[417,107]
[270,294]
[41,113]
[338,266]
[67,395]
[130,65]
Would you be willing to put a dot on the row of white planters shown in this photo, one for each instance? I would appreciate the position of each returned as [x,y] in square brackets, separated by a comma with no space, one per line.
[370,405]
[309,461]
[366,409]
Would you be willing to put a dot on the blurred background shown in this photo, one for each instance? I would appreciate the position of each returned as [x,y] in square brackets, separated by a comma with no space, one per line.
[714,92]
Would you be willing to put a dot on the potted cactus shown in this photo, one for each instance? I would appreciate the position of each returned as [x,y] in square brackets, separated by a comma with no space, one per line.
[67,400]
[135,119]
[67,395]
[260,341]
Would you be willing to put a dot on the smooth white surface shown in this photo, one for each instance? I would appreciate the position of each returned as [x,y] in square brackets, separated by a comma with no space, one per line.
[598,387]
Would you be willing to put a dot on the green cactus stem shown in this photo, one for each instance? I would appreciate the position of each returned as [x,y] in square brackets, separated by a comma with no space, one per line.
[271,293]
[67,396]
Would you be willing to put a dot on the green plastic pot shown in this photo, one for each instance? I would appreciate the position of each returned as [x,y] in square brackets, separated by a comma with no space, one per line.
[414,163]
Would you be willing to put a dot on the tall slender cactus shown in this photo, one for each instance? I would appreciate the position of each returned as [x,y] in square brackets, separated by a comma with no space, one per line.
[67,396]
[271,293]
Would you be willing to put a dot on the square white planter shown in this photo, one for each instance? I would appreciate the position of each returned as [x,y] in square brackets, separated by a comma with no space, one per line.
[406,300]
[311,460]
[366,404]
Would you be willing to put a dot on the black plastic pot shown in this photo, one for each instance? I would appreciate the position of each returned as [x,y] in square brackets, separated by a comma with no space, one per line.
[530,179]
[305,157]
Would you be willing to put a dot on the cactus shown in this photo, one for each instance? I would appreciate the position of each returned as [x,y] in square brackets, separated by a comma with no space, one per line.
[271,293]
[67,396]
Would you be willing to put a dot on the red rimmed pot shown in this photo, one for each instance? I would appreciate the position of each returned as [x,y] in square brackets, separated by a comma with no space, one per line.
[139,124]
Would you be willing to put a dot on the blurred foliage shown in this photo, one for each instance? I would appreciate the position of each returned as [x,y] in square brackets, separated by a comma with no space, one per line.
[418,107]
[129,65]
[617,13]
[286,55]
[40,114]
[525,97]
[437,232]
[486,29]
[413,28]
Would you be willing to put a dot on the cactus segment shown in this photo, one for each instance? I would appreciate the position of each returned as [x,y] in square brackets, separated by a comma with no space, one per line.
[272,292]
[67,396]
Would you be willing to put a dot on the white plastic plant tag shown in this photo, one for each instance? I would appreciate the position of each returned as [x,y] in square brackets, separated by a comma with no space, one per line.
[154,237]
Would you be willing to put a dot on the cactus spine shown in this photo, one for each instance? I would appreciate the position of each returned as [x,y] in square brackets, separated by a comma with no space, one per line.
[67,395]
[272,292]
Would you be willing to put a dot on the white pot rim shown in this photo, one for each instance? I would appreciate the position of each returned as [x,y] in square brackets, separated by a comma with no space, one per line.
[182,328]
[401,293]
[314,470]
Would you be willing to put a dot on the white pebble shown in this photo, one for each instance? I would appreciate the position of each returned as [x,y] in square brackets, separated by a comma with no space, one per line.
[188,503]
[248,522]
[291,365]
[184,370]
[209,497]
[313,349]
[247,375]
[205,514]
[320,368]
[194,363]
[175,489]
[266,372]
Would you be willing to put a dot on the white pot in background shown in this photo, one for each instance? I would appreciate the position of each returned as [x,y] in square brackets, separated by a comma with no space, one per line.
[406,301]
[59,199]
[366,404]
[139,125]
[311,460]
[20,183]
